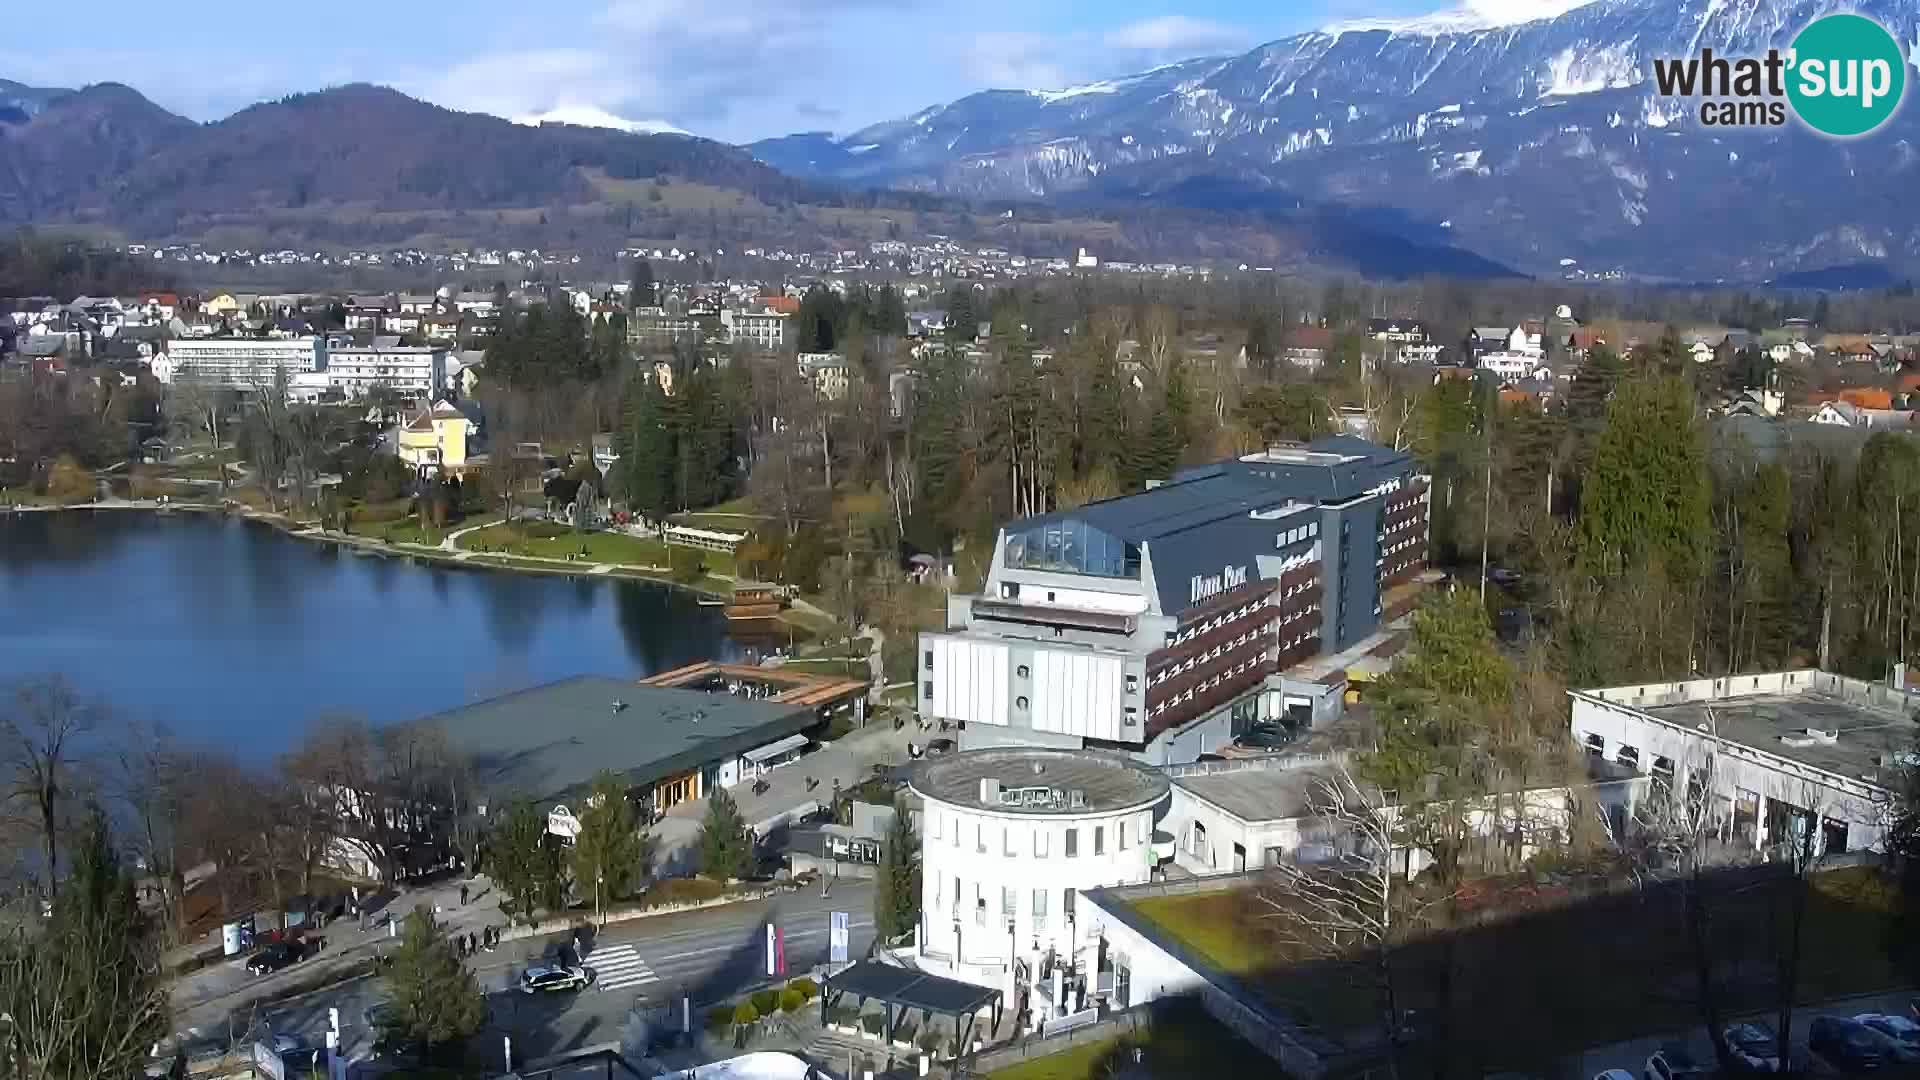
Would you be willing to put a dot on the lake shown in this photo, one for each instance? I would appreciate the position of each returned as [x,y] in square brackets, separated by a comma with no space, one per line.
[232,634]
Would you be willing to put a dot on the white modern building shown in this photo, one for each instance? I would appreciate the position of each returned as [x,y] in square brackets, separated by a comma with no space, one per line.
[763,330]
[1780,752]
[1512,365]
[1009,837]
[238,363]
[411,372]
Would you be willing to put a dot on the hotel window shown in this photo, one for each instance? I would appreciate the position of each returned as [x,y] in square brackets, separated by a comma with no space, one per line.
[1123,836]
[936,825]
[1008,904]
[1073,843]
[956,832]
[1039,910]
[1020,703]
[1040,843]
[1021,671]
[979,906]
[1629,756]
[928,661]
[956,892]
[980,838]
[926,688]
[1099,839]
[1006,841]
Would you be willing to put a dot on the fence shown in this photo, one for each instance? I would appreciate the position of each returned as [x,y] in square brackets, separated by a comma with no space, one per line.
[1046,1043]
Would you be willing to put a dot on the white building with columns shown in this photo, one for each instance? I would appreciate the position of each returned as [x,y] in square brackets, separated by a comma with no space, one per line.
[1009,837]
[1780,752]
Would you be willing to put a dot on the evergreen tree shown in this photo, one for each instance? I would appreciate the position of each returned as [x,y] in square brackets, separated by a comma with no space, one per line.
[522,861]
[644,475]
[1645,494]
[80,996]
[890,313]
[962,319]
[726,848]
[436,1004]
[896,896]
[644,292]
[612,852]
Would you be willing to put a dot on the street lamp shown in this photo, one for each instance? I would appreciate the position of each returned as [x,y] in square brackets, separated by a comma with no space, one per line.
[599,913]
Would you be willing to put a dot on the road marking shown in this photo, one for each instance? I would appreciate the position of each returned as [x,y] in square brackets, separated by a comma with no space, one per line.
[618,966]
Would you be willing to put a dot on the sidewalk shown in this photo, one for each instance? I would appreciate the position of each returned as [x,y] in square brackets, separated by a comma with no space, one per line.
[206,997]
[849,759]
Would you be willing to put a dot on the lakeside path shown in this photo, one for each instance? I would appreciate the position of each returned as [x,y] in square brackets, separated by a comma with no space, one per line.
[446,551]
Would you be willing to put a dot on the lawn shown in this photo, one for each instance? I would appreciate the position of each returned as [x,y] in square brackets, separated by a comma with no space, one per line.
[1183,1041]
[1503,975]
[548,540]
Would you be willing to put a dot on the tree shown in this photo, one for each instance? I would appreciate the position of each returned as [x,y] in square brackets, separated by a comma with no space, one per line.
[81,998]
[436,1005]
[44,723]
[896,896]
[386,790]
[1283,412]
[1358,910]
[725,844]
[612,852]
[643,475]
[151,779]
[522,860]
[1645,494]
[643,293]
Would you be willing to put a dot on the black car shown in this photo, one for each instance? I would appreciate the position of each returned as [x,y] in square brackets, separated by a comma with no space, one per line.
[1265,738]
[1850,1045]
[941,747]
[273,958]
[557,977]
[1674,1063]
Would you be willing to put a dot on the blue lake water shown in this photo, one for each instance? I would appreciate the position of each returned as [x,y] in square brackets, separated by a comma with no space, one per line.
[230,633]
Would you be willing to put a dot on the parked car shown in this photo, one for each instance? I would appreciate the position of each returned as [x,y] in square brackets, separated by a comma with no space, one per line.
[1613,1074]
[1901,1029]
[1673,1062]
[272,958]
[1754,1046]
[941,747]
[1849,1045]
[557,977]
[1264,738]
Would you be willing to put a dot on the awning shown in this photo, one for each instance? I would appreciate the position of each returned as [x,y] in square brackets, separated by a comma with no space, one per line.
[775,749]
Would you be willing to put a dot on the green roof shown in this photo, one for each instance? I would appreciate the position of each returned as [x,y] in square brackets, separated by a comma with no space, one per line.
[548,740]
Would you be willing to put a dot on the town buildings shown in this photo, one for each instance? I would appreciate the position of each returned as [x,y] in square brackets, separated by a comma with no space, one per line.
[409,371]
[442,438]
[1780,754]
[1153,623]
[1009,838]
[238,363]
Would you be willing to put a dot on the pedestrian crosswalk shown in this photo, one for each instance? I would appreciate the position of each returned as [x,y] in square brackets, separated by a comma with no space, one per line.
[616,967]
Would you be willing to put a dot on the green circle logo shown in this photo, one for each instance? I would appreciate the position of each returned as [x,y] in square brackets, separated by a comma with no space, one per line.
[1847,75]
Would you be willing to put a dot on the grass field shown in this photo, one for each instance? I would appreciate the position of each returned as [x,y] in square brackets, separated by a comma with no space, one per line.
[406,531]
[1183,1042]
[1504,977]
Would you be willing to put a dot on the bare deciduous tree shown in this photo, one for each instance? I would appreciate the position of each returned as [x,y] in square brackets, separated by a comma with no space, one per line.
[45,724]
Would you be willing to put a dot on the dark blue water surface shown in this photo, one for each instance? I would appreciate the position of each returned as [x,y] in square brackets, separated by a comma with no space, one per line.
[230,633]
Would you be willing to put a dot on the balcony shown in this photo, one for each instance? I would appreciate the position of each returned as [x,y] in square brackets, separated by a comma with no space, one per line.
[1042,615]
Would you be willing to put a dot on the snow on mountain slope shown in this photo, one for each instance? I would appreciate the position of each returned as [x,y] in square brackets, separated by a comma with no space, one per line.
[1533,123]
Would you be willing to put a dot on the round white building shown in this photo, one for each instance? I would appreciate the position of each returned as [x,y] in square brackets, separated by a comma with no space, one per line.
[1009,836]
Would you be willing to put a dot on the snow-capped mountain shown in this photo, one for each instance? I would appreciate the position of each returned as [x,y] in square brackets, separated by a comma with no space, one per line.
[1531,143]
[594,117]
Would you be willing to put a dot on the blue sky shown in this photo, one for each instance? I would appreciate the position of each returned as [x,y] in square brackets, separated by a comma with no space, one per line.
[727,69]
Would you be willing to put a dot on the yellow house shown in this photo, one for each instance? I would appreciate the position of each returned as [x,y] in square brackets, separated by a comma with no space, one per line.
[223,304]
[436,439]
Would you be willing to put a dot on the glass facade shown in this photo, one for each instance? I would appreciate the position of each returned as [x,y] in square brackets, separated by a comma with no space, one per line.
[1072,547]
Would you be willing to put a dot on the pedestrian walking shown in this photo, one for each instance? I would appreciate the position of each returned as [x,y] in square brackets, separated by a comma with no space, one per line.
[463,896]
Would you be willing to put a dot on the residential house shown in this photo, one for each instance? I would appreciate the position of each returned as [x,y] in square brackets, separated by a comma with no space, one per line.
[827,372]
[160,306]
[1403,341]
[1841,413]
[1762,403]
[441,438]
[1305,347]
[1510,365]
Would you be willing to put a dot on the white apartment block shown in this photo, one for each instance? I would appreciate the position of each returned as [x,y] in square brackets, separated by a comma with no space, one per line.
[238,363]
[762,330]
[410,372]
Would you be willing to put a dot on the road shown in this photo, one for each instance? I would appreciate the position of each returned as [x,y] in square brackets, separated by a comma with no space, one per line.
[1632,1055]
[708,954]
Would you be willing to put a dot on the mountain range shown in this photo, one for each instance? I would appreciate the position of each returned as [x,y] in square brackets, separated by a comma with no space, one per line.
[1542,145]
[1433,146]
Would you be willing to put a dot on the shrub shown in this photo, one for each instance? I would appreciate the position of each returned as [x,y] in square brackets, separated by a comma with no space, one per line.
[806,988]
[68,481]
[719,1017]
[766,1002]
[792,1000]
[686,563]
[744,1013]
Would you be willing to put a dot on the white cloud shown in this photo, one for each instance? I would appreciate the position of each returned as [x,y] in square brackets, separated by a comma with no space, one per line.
[1180,34]
[593,117]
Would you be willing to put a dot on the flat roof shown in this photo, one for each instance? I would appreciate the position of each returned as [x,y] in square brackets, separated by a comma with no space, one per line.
[1253,793]
[550,739]
[1105,781]
[1773,713]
